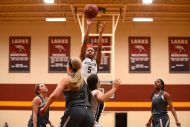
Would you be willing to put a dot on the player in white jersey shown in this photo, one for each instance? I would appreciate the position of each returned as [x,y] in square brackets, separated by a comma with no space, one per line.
[98,97]
[90,59]
[89,66]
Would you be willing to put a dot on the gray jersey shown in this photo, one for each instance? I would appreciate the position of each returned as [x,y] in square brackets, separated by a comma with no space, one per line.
[41,121]
[159,105]
[78,112]
[77,98]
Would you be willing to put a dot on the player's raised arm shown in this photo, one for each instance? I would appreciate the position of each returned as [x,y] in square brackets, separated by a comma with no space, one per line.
[86,39]
[99,54]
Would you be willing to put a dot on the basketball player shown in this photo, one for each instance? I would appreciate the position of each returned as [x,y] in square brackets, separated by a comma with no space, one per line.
[160,101]
[78,111]
[38,102]
[98,97]
[91,60]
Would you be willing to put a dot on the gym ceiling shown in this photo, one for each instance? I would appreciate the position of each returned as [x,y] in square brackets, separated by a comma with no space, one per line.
[177,11]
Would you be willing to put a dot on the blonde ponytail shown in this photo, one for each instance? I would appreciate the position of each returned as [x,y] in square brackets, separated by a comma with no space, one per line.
[76,81]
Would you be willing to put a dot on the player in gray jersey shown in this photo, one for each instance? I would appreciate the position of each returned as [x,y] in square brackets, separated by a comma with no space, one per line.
[38,102]
[160,101]
[90,59]
[78,111]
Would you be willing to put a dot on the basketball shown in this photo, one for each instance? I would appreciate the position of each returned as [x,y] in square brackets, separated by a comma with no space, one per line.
[90,11]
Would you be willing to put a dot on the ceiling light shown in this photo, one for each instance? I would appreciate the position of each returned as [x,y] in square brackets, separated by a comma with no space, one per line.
[147,1]
[142,19]
[56,19]
[49,1]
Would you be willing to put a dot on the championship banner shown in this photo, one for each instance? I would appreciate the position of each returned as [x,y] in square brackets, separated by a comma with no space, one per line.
[139,54]
[59,53]
[19,54]
[179,54]
[106,52]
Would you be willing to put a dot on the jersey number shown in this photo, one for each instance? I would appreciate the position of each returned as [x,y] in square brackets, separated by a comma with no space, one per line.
[89,69]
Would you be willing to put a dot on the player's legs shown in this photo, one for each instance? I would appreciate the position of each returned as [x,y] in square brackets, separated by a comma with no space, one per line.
[89,118]
[77,117]
[161,121]
[165,120]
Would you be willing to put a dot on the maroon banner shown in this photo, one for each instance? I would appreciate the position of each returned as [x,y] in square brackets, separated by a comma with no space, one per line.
[179,54]
[139,54]
[19,54]
[59,53]
[106,52]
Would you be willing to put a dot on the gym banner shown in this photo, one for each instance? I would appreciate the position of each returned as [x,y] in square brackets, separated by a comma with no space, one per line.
[139,54]
[179,54]
[59,53]
[19,54]
[106,52]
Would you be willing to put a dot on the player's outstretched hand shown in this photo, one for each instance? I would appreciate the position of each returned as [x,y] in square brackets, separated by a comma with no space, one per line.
[178,124]
[116,83]
[101,27]
[89,21]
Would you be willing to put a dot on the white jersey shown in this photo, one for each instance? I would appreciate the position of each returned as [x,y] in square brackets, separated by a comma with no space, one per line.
[89,66]
[94,102]
[96,107]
